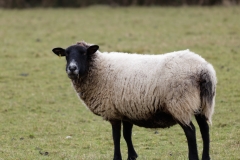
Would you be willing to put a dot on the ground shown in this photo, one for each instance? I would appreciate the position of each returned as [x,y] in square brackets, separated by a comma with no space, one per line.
[39,108]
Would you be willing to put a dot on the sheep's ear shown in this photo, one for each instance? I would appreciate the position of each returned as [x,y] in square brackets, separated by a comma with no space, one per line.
[59,51]
[92,49]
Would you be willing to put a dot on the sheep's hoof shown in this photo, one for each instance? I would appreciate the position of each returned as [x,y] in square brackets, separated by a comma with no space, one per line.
[132,157]
[117,158]
[206,158]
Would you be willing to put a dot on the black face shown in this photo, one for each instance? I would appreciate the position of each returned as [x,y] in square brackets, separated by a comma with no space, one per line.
[78,59]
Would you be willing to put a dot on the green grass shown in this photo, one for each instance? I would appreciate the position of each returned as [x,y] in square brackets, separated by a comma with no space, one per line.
[39,108]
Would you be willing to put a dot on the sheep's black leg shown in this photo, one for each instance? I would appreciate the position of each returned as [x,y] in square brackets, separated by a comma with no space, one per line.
[190,133]
[204,128]
[116,133]
[127,134]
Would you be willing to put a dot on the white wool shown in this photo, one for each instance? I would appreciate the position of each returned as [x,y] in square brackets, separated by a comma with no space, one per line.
[133,86]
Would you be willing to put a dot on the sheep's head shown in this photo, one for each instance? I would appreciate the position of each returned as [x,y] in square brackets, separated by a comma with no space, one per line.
[78,58]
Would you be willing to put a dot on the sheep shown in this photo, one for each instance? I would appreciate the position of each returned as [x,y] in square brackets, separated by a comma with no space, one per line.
[151,91]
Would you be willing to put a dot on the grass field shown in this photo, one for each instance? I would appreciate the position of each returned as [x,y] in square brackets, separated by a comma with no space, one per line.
[39,108]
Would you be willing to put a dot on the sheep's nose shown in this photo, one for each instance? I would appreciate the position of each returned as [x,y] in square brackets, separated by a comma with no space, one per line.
[72,68]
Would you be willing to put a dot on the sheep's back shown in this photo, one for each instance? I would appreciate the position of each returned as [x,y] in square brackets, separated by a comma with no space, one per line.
[138,87]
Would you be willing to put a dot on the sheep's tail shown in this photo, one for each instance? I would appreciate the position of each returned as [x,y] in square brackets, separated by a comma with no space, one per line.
[208,82]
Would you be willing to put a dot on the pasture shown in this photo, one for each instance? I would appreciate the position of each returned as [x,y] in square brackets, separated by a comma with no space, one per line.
[39,108]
